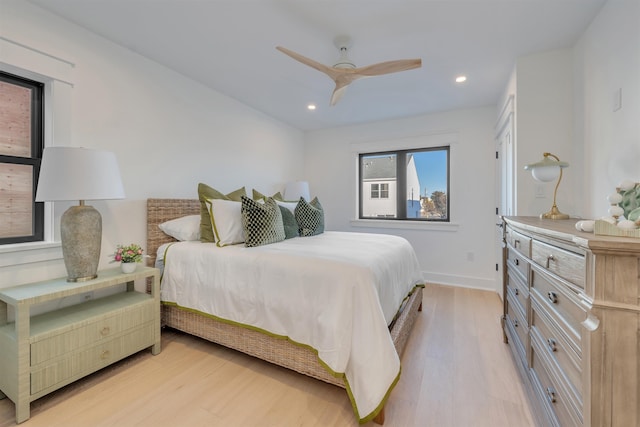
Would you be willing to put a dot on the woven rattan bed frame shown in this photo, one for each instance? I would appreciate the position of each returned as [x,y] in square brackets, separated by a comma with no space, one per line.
[278,351]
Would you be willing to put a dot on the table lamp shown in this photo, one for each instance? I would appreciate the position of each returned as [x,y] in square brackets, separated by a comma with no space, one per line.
[75,173]
[546,170]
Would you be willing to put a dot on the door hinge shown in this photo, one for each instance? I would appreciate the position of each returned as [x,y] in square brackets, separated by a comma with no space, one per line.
[496,211]
[497,267]
[497,156]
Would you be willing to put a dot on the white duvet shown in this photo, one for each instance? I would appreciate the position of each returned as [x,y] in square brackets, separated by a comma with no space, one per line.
[335,292]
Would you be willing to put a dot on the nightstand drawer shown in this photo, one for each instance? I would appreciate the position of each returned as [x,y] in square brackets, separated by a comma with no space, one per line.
[551,393]
[560,303]
[519,242]
[558,350]
[99,328]
[78,364]
[518,262]
[568,265]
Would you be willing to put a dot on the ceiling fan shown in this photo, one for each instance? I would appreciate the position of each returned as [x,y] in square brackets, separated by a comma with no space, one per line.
[344,71]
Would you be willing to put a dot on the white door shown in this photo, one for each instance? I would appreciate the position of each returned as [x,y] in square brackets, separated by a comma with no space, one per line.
[505,182]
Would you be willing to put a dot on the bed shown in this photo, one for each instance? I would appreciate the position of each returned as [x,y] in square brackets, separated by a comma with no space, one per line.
[289,353]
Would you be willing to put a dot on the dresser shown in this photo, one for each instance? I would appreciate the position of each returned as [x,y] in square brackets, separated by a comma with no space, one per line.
[572,320]
[41,353]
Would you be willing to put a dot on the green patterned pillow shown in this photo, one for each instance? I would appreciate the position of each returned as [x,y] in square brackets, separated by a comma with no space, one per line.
[262,222]
[205,192]
[310,217]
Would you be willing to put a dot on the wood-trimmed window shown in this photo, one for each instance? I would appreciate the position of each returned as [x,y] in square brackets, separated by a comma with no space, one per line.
[21,146]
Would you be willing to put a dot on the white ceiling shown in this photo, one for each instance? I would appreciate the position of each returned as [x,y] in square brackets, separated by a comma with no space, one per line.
[229,45]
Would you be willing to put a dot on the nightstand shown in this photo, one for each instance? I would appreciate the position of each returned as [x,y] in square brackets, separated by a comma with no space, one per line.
[41,353]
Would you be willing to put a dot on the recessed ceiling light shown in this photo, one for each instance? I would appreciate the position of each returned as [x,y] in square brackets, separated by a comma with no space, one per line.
[461,79]
[311,107]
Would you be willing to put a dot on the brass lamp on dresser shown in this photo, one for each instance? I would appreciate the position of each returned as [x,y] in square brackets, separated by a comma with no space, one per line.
[572,321]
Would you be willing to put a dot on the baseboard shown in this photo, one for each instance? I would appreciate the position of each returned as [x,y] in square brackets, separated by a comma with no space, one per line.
[461,281]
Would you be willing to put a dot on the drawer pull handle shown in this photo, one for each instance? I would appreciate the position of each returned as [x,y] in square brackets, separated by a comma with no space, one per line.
[515,323]
[516,291]
[553,297]
[104,355]
[551,394]
[105,331]
[516,243]
[551,343]
[517,261]
[550,258]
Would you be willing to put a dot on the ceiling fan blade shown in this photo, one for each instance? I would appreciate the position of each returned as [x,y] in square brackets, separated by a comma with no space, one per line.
[337,94]
[388,67]
[306,61]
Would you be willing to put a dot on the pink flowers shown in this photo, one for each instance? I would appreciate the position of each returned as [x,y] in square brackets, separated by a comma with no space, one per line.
[129,253]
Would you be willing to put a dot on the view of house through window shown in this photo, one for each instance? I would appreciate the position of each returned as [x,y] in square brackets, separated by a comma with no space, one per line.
[21,145]
[405,184]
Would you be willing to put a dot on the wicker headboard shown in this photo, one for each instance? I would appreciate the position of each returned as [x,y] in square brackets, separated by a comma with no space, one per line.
[161,210]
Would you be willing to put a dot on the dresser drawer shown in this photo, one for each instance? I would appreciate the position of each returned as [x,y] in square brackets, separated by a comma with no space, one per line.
[561,304]
[95,330]
[518,241]
[82,362]
[560,410]
[518,329]
[566,264]
[518,262]
[519,292]
[558,350]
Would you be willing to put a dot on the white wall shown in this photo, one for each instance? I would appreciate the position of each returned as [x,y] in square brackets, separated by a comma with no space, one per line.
[607,59]
[461,254]
[167,131]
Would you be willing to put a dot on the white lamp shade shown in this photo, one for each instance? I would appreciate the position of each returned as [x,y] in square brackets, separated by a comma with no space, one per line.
[297,189]
[76,173]
[546,173]
[547,169]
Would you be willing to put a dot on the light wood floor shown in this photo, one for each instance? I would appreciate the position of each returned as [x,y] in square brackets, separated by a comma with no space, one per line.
[456,372]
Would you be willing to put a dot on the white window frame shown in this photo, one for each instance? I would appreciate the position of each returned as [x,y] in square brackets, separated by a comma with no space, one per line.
[406,143]
[57,75]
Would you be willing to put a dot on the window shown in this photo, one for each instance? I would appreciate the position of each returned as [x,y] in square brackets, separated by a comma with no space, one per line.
[405,184]
[21,146]
[379,191]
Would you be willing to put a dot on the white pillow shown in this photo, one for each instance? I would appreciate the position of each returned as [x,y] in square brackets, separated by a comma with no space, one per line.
[289,205]
[226,221]
[185,228]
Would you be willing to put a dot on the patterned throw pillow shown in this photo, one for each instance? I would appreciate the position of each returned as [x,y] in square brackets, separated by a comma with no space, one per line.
[310,217]
[262,222]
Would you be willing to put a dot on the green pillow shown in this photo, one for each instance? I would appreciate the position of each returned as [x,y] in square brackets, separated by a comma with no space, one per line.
[310,217]
[205,192]
[258,195]
[262,222]
[289,222]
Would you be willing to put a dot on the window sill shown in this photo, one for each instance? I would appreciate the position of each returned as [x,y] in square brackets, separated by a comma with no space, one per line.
[27,253]
[407,225]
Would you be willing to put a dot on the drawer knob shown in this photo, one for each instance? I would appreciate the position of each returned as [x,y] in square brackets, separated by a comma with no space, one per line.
[104,355]
[553,297]
[105,331]
[549,259]
[551,394]
[551,343]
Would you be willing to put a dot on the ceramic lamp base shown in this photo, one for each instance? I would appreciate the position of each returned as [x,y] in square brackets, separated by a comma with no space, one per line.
[81,235]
